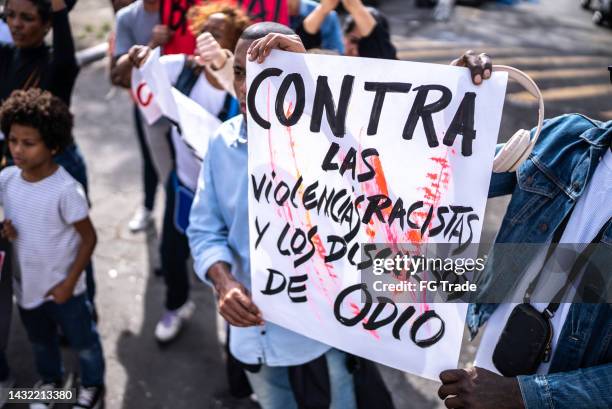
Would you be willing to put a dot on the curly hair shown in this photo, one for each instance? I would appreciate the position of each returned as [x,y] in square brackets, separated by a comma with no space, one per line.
[198,15]
[42,111]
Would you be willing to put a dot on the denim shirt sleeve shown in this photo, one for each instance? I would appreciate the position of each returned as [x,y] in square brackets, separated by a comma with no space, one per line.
[589,388]
[331,33]
[502,183]
[207,231]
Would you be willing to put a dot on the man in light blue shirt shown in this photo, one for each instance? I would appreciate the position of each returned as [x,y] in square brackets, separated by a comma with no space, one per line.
[219,239]
[328,29]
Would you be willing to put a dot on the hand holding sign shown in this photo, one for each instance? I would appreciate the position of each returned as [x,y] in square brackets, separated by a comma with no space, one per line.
[235,303]
[138,54]
[261,48]
[478,388]
[480,65]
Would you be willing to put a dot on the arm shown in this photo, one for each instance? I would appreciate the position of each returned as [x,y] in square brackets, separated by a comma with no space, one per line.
[225,74]
[502,183]
[364,20]
[312,23]
[64,65]
[587,388]
[121,67]
[478,388]
[64,290]
[323,27]
[260,49]
[207,233]
[63,43]
[219,61]
[121,71]
[375,41]
[331,34]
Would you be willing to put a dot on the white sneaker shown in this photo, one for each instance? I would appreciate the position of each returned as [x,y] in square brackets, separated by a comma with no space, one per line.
[186,310]
[140,220]
[43,405]
[172,321]
[90,398]
[4,389]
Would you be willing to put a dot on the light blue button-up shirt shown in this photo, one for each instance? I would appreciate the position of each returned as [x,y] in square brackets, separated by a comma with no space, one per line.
[331,31]
[219,231]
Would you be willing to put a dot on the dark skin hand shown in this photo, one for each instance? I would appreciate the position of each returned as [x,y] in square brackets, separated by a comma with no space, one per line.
[234,301]
[480,65]
[260,49]
[478,388]
[8,231]
[138,54]
[121,68]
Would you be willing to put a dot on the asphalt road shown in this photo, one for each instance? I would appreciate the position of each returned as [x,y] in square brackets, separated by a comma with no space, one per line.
[553,40]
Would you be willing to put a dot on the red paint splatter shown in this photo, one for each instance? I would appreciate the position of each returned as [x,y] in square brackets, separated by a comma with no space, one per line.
[356,310]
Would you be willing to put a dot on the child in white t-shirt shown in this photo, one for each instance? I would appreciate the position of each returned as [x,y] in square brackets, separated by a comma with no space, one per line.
[47,215]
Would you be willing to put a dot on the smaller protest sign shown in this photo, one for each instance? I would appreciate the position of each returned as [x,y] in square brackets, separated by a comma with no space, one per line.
[143,97]
[193,121]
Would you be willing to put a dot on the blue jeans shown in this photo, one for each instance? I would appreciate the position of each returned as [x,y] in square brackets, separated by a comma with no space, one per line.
[149,174]
[271,384]
[4,368]
[174,252]
[75,320]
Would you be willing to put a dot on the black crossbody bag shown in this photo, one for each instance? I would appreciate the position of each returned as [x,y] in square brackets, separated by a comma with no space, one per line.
[526,340]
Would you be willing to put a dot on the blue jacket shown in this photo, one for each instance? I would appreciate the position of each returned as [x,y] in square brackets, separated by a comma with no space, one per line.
[544,190]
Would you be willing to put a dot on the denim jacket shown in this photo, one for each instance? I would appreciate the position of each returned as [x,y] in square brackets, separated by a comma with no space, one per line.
[544,190]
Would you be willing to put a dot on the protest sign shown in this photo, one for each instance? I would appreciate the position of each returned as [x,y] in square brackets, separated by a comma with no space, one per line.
[143,97]
[194,122]
[345,152]
[174,15]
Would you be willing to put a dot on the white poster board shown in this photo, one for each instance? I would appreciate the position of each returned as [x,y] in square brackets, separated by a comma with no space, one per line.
[143,97]
[319,190]
[196,124]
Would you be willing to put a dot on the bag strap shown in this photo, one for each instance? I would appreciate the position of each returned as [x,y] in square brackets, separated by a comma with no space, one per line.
[581,261]
[187,78]
[230,109]
[551,249]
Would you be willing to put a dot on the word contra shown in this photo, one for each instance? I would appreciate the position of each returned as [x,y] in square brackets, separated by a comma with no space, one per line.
[462,123]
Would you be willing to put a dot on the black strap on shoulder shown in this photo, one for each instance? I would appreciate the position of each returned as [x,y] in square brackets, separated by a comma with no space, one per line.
[186,81]
[551,249]
[187,78]
[581,261]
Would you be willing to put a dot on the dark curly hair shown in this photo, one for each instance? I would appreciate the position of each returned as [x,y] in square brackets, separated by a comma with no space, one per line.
[40,110]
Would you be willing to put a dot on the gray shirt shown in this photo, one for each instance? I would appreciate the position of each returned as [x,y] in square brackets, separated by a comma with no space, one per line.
[134,27]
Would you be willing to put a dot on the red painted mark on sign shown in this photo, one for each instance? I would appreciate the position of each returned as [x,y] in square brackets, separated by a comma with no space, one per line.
[143,101]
